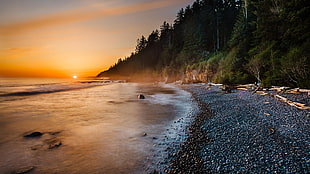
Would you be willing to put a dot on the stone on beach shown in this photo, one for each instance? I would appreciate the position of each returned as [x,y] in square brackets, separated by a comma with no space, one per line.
[24,170]
[141,96]
[32,134]
[53,143]
[36,147]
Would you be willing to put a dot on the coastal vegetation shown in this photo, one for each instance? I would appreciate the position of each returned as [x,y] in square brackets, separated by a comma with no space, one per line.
[226,41]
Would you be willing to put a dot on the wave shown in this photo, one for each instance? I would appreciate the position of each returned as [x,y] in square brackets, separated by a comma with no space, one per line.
[51,88]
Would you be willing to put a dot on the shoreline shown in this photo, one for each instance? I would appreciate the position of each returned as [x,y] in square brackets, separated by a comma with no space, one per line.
[106,128]
[208,130]
[242,132]
[188,159]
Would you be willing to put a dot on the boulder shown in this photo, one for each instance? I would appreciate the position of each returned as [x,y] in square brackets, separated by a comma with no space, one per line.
[33,134]
[226,88]
[140,96]
[24,170]
[53,143]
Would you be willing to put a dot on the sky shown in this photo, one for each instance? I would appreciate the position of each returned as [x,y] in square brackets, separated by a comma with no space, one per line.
[62,38]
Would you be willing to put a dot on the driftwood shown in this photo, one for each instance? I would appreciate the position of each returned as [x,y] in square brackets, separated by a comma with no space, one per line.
[291,103]
[225,88]
[264,91]
[279,88]
[304,90]
[273,88]
[215,84]
[288,90]
[267,114]
[247,86]
[243,89]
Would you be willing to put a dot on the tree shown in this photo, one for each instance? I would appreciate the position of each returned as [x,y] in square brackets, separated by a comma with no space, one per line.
[141,44]
[230,40]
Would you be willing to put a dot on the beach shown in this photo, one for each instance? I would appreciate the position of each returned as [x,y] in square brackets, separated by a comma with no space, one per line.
[243,132]
[105,128]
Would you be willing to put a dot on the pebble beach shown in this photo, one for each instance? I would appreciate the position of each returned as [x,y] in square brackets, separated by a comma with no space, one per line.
[238,132]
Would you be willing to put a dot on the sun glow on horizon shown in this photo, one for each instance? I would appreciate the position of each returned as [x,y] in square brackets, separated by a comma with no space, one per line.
[71,38]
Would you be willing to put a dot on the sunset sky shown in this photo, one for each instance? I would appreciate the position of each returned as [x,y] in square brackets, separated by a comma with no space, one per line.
[62,38]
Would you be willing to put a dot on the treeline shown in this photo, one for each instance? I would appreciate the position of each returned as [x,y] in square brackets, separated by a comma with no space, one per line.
[227,41]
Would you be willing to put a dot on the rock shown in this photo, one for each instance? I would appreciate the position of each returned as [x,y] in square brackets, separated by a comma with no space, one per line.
[33,134]
[145,134]
[140,96]
[226,88]
[53,143]
[272,131]
[36,147]
[25,170]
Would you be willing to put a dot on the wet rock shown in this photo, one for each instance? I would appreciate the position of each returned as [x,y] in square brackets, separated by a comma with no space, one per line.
[226,88]
[36,147]
[141,96]
[33,134]
[53,143]
[24,170]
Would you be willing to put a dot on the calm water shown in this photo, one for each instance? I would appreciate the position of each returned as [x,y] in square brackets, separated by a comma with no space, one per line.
[101,125]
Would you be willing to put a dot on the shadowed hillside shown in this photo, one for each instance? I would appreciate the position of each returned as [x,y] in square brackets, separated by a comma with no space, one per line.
[226,41]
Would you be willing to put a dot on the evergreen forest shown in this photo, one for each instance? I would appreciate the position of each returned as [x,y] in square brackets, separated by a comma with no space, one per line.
[226,41]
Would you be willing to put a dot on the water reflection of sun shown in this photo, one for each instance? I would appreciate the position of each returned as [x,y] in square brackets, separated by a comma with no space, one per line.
[75,77]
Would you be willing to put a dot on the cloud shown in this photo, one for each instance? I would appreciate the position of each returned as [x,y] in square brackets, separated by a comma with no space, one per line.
[81,15]
[18,49]
[20,52]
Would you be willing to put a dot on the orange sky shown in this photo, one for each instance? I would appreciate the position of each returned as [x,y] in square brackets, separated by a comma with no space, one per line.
[74,37]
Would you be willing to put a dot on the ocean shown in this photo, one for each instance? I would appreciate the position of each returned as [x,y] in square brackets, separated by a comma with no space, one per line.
[100,126]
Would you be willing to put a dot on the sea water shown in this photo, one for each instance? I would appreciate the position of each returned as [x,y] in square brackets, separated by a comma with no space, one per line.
[102,126]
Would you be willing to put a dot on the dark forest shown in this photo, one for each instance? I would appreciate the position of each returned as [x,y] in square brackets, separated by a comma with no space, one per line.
[226,41]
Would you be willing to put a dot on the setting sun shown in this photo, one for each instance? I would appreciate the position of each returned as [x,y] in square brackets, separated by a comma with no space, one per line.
[75,77]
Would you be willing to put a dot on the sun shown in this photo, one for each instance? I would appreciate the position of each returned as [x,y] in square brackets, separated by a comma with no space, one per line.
[75,76]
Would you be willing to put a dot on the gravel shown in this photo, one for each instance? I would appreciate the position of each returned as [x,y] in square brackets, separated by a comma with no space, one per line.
[239,132]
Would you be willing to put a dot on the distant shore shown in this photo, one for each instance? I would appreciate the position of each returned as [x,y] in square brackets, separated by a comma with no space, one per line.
[242,132]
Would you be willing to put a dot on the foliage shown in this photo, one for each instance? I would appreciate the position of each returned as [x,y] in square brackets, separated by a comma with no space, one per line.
[229,41]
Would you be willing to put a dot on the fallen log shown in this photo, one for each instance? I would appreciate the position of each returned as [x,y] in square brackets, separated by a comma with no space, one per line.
[279,88]
[291,103]
[215,84]
[243,89]
[262,92]
[281,98]
[249,86]
[304,90]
